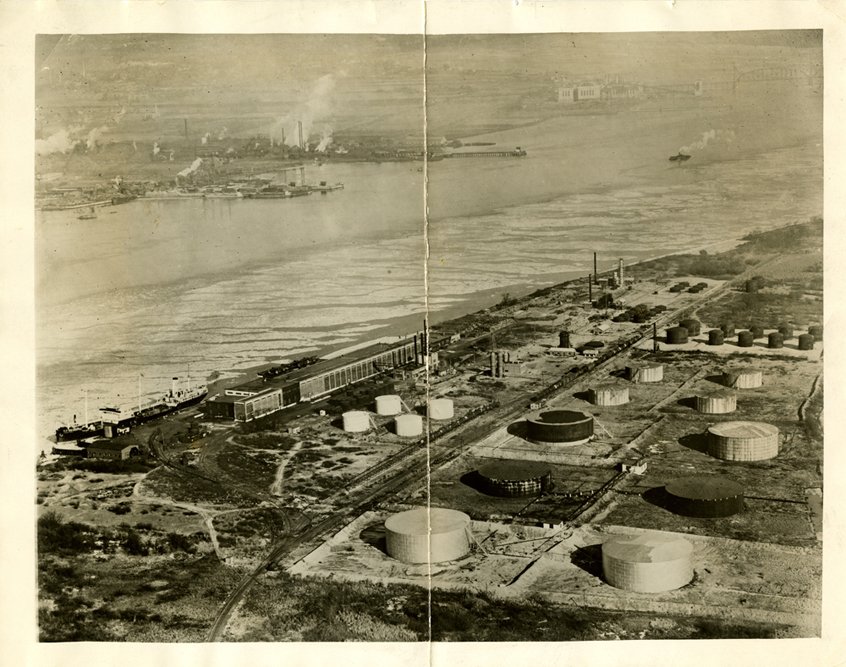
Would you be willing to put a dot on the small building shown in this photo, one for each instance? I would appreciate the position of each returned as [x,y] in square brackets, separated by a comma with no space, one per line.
[112,449]
[562,351]
[244,408]
[566,95]
[588,91]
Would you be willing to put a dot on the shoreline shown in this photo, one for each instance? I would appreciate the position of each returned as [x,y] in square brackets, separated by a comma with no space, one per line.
[400,326]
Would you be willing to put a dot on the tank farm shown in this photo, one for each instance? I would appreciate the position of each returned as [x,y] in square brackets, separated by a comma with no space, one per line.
[555,448]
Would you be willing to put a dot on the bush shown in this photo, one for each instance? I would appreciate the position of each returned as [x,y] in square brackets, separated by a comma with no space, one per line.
[59,537]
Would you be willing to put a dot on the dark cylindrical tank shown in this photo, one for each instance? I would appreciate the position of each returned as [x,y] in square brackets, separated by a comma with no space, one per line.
[706,496]
[715,337]
[756,331]
[564,339]
[786,331]
[806,341]
[745,339]
[816,331]
[676,335]
[727,329]
[693,326]
[564,426]
[775,341]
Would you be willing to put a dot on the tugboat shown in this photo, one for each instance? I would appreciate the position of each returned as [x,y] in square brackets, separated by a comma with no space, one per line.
[681,157]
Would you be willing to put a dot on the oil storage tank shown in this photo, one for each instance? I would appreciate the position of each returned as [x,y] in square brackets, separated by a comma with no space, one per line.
[408,426]
[756,331]
[742,378]
[816,331]
[775,341]
[745,339]
[441,408]
[706,496]
[716,337]
[646,372]
[356,421]
[805,342]
[649,562]
[427,535]
[718,402]
[609,394]
[389,404]
[743,441]
[693,326]
[560,426]
[786,331]
[514,479]
[676,335]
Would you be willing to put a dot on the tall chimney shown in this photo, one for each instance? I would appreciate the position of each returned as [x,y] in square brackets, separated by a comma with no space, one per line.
[590,290]
[620,272]
[300,131]
[594,267]
[654,337]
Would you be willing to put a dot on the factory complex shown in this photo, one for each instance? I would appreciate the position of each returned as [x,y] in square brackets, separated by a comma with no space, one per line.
[612,443]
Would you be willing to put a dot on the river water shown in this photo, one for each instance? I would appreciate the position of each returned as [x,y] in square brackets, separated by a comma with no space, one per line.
[155,289]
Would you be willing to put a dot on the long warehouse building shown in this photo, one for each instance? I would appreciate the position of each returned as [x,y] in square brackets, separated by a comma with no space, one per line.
[242,403]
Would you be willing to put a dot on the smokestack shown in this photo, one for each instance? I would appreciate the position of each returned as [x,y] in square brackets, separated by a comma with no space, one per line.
[590,289]
[594,267]
[300,131]
[654,337]
[620,272]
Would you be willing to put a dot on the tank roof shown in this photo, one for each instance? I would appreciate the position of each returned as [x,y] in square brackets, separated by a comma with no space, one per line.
[704,487]
[561,417]
[743,429]
[651,547]
[421,520]
[514,470]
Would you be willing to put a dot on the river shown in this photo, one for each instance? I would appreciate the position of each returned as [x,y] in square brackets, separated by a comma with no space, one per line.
[159,288]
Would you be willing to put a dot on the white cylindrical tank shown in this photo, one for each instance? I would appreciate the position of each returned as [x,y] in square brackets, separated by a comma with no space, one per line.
[409,426]
[648,562]
[743,441]
[356,421]
[441,408]
[609,394]
[717,403]
[651,372]
[428,535]
[389,404]
[743,379]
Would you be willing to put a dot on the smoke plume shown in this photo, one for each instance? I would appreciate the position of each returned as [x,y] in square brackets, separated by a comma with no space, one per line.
[60,142]
[325,140]
[93,139]
[708,137]
[316,108]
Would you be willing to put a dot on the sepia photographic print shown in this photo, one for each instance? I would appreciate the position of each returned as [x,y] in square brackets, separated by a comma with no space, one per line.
[419,337]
